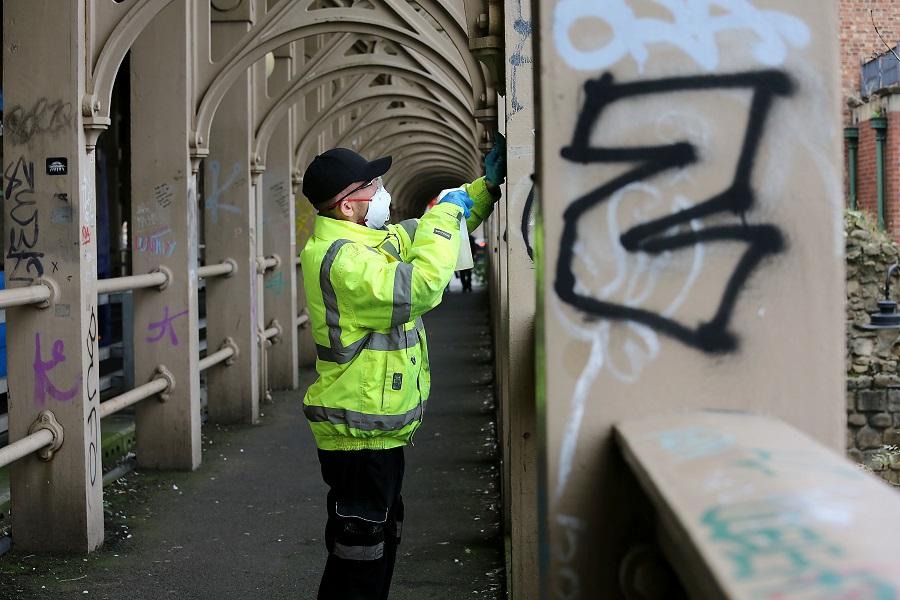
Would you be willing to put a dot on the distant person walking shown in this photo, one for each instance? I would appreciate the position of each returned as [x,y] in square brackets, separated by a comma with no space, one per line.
[465,275]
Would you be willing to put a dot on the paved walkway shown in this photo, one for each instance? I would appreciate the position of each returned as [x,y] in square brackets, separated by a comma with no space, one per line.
[249,522]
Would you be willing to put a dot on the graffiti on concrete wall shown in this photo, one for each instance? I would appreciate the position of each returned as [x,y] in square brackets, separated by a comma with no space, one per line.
[692,27]
[676,231]
[624,238]
[519,58]
[22,124]
[44,388]
[24,231]
[165,327]
[92,393]
[218,188]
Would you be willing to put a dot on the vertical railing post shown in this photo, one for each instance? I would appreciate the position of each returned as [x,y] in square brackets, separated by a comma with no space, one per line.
[851,134]
[880,125]
[53,356]
[230,232]
[279,238]
[164,215]
[520,301]
[676,185]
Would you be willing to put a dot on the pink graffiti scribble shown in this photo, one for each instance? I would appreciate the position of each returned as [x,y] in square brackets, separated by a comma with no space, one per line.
[43,387]
[165,326]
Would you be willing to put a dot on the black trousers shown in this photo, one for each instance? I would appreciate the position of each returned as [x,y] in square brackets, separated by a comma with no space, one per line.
[465,278]
[365,519]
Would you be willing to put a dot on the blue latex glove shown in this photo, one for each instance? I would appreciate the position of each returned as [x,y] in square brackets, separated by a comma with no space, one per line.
[460,199]
[495,161]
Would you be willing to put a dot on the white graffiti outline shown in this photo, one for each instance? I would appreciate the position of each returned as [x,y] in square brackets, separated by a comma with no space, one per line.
[641,344]
[692,29]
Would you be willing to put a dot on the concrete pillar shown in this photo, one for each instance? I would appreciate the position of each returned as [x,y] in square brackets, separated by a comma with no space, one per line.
[521,439]
[692,244]
[230,221]
[53,357]
[305,215]
[304,219]
[164,236]
[280,284]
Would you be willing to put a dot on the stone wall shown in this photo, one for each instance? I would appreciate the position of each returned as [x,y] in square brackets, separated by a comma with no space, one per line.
[873,380]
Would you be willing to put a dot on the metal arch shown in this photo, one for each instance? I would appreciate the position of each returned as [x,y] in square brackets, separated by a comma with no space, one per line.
[326,118]
[123,23]
[415,147]
[388,131]
[411,198]
[455,29]
[426,187]
[412,133]
[303,149]
[439,155]
[393,114]
[392,141]
[433,160]
[423,142]
[436,159]
[296,93]
[290,21]
[417,193]
[405,94]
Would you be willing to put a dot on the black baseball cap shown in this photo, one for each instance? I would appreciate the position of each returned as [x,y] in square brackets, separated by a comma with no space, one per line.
[332,171]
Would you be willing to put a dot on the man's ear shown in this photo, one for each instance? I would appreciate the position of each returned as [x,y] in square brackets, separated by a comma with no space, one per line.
[346,208]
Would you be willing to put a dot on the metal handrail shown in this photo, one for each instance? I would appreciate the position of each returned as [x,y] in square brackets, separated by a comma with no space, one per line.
[226,268]
[45,436]
[23,296]
[267,263]
[161,384]
[158,279]
[270,333]
[29,444]
[215,358]
[302,319]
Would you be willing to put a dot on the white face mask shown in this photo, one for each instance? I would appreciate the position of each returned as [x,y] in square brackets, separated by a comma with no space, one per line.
[379,209]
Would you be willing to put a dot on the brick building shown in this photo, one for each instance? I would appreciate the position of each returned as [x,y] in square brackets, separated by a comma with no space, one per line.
[871,90]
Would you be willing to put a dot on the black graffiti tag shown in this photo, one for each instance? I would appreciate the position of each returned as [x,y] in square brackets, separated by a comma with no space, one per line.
[45,117]
[90,346]
[654,237]
[24,230]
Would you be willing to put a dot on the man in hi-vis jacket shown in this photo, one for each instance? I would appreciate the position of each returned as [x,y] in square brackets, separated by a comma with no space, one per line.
[367,286]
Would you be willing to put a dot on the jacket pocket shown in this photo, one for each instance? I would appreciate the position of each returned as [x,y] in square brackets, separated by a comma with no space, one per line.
[401,380]
[371,378]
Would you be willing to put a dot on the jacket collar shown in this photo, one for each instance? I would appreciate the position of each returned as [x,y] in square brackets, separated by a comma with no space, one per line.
[330,229]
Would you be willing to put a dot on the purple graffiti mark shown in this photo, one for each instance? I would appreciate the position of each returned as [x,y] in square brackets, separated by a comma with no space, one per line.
[43,387]
[165,326]
[155,244]
[213,201]
[24,232]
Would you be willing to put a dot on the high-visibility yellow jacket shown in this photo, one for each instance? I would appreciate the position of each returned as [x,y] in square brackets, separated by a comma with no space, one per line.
[366,291]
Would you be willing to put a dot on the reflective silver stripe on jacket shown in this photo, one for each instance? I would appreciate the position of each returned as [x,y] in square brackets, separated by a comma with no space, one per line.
[410,226]
[332,312]
[402,294]
[363,421]
[389,247]
[359,552]
[397,339]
